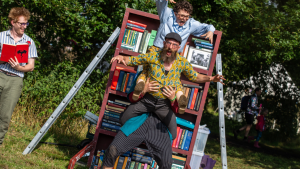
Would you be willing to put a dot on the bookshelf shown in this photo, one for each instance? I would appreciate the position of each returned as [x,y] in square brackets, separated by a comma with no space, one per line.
[103,138]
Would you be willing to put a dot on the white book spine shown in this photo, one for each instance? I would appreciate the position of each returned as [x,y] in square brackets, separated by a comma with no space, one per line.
[138,42]
[146,43]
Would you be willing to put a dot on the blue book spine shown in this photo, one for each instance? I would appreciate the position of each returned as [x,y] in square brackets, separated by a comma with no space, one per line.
[184,139]
[204,46]
[111,126]
[185,123]
[111,115]
[136,26]
[188,141]
[117,103]
[120,80]
[191,98]
[111,118]
[207,44]
[130,82]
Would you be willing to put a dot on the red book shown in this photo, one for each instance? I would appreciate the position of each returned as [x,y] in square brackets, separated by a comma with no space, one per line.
[194,98]
[125,69]
[115,78]
[135,29]
[126,80]
[10,51]
[137,23]
[114,105]
[175,140]
[178,138]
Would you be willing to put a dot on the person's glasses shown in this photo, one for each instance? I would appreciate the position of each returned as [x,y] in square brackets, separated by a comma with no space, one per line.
[24,24]
[184,16]
[172,45]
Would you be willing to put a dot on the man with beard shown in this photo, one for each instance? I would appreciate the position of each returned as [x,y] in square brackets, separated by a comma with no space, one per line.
[12,72]
[165,68]
[176,20]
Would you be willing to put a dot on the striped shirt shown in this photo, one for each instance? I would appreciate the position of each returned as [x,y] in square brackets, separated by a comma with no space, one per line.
[6,38]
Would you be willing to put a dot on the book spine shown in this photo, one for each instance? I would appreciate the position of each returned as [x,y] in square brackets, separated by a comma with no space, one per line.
[130,82]
[188,141]
[117,106]
[136,165]
[185,123]
[207,44]
[121,76]
[111,126]
[114,108]
[184,139]
[128,163]
[178,139]
[192,86]
[126,81]
[120,162]
[124,36]
[110,118]
[112,115]
[145,166]
[178,158]
[109,129]
[136,23]
[143,41]
[115,79]
[199,101]
[174,141]
[190,98]
[194,98]
[136,26]
[135,29]
[146,43]
[123,102]
[123,82]
[141,152]
[199,40]
[116,103]
[111,122]
[204,46]
[138,42]
[181,138]
[125,69]
[132,165]
[175,161]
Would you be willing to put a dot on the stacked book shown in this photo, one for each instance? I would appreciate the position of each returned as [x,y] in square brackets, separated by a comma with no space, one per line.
[199,43]
[184,134]
[122,79]
[178,162]
[194,95]
[111,116]
[136,38]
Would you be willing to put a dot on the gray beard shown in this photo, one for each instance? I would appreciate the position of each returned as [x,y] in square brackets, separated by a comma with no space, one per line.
[167,59]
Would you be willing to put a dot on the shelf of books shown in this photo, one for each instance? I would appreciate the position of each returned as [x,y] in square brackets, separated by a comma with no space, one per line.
[137,34]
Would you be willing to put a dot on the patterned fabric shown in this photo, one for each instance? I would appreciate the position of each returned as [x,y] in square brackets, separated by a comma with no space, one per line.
[168,24]
[153,133]
[6,38]
[156,70]
[252,105]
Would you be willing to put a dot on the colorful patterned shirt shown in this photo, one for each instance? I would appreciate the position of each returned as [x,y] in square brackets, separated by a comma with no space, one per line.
[157,69]
[6,38]
[252,105]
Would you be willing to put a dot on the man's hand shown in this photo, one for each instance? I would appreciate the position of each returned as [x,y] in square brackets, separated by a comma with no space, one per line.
[119,58]
[14,63]
[169,92]
[218,78]
[153,86]
[172,1]
[209,35]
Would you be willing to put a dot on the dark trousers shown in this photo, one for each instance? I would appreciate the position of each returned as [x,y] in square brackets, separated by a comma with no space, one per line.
[161,107]
[153,133]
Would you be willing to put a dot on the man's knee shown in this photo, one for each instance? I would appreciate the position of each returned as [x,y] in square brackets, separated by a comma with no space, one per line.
[112,153]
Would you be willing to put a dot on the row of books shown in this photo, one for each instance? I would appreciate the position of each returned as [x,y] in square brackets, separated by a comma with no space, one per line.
[194,95]
[137,158]
[122,79]
[136,38]
[199,43]
[111,117]
[183,139]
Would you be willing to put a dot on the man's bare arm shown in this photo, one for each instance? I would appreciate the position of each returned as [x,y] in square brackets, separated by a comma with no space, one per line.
[204,78]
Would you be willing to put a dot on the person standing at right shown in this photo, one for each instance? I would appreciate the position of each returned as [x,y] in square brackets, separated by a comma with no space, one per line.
[249,115]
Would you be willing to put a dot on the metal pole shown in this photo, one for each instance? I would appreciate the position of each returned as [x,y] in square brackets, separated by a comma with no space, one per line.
[221,114]
[72,92]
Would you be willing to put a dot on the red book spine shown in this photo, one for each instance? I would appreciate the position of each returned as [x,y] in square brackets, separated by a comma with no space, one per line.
[125,69]
[194,99]
[135,29]
[113,110]
[114,105]
[178,138]
[115,78]
[137,23]
[175,140]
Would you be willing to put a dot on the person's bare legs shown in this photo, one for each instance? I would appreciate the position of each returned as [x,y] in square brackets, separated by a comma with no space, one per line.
[248,127]
[104,167]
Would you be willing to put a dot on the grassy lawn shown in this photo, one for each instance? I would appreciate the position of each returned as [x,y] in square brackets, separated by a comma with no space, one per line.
[52,156]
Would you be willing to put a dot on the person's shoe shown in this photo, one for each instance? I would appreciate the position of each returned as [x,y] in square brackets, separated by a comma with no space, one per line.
[182,103]
[250,138]
[138,90]
[256,144]
[235,134]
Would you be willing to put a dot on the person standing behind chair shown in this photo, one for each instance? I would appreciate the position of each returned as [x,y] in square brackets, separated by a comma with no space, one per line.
[12,72]
[252,109]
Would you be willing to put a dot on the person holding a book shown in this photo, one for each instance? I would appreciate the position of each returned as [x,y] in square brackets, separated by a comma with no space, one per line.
[176,20]
[12,70]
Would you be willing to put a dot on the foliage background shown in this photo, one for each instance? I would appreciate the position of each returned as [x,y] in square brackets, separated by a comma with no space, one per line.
[256,34]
